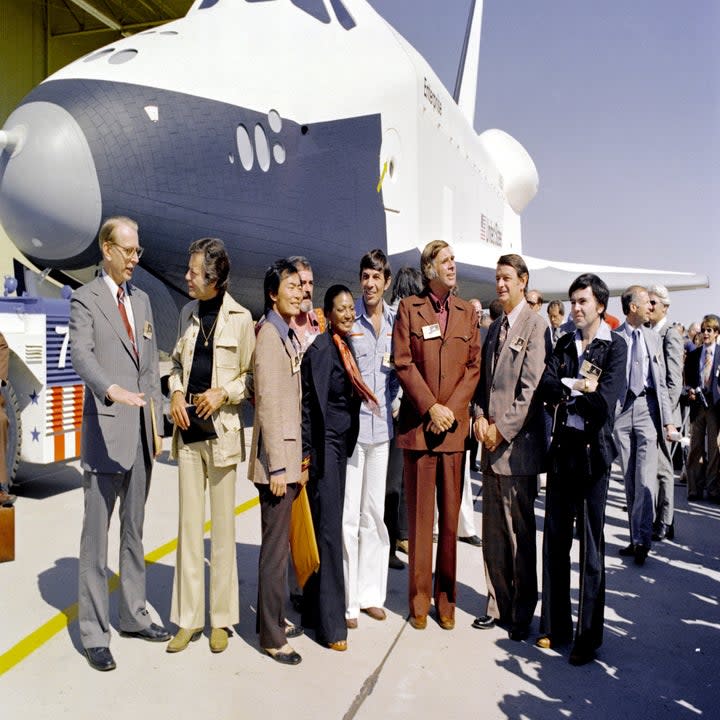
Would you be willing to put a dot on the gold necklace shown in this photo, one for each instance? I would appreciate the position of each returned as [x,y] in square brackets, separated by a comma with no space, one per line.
[212,328]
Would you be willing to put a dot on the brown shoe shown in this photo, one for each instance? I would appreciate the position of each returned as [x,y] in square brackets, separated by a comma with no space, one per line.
[6,499]
[339,645]
[447,623]
[351,623]
[419,622]
[375,613]
[403,546]
[544,642]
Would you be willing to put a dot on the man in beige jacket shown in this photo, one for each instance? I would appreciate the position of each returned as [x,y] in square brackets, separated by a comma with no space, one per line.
[212,373]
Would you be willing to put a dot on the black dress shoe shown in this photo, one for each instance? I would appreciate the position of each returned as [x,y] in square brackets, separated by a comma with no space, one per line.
[100,658]
[641,553]
[670,534]
[581,655]
[473,540]
[395,562]
[519,633]
[660,532]
[152,633]
[474,467]
[293,631]
[484,622]
[628,551]
[285,658]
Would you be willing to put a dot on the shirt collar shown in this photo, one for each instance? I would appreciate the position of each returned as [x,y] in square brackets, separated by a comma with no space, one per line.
[437,303]
[604,332]
[113,285]
[278,323]
[513,315]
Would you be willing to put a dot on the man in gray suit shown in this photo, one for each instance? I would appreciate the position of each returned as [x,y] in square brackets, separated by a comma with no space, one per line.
[672,345]
[115,353]
[641,416]
[509,422]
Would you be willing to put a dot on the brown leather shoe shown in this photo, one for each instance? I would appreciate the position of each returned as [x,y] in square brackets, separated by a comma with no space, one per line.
[375,613]
[419,622]
[351,623]
[339,645]
[447,623]
[6,499]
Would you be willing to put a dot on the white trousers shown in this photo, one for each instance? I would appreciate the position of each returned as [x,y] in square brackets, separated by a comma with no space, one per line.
[466,518]
[366,545]
[196,471]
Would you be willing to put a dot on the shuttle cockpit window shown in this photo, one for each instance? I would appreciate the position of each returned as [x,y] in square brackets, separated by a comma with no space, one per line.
[343,15]
[316,8]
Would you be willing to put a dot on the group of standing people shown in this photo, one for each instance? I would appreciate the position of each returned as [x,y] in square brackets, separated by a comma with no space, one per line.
[333,389]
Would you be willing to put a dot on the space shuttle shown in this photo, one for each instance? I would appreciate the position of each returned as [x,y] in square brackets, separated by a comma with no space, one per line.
[284,127]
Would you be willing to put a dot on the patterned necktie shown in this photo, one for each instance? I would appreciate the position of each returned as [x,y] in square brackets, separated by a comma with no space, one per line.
[124,316]
[352,371]
[637,381]
[706,368]
[502,336]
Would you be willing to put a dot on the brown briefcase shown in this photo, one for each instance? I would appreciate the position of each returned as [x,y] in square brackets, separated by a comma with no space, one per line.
[7,534]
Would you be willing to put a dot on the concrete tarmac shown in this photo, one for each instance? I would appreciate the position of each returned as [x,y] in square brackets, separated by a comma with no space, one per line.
[660,658]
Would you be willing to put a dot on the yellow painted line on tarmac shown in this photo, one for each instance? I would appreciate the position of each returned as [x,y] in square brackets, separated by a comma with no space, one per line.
[36,639]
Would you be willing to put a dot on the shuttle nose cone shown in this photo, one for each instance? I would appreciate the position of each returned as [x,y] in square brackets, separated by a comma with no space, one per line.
[50,203]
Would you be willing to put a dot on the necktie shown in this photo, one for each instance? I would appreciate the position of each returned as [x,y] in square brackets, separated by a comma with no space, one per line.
[706,368]
[124,316]
[637,380]
[365,393]
[502,336]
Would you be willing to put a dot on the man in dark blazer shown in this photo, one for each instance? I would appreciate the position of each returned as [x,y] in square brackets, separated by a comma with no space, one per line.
[702,370]
[6,498]
[582,384]
[510,424]
[436,347]
[641,417]
[114,351]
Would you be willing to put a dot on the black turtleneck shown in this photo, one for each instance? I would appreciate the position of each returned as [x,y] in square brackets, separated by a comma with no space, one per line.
[201,373]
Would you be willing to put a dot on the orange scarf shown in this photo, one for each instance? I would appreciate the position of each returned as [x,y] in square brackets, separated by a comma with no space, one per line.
[351,368]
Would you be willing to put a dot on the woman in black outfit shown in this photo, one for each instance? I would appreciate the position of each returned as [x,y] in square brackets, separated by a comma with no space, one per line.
[332,390]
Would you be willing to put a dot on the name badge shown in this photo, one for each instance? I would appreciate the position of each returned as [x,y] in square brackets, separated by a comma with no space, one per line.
[517,344]
[295,361]
[147,330]
[388,361]
[431,331]
[588,370]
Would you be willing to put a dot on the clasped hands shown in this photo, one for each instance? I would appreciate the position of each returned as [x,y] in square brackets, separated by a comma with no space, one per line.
[487,433]
[206,403]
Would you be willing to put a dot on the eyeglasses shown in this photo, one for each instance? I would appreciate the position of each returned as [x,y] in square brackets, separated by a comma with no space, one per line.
[129,252]
[708,330]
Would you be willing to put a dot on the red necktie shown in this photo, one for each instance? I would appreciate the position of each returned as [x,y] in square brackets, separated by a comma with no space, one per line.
[365,393]
[126,322]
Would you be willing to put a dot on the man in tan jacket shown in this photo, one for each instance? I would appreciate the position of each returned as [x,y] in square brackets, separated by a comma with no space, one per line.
[211,374]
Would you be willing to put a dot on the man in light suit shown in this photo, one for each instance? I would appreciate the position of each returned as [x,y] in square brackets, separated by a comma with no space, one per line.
[114,351]
[509,422]
[641,416]
[672,345]
[436,347]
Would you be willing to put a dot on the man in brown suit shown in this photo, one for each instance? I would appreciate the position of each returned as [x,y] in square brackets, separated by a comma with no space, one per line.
[5,497]
[510,424]
[436,348]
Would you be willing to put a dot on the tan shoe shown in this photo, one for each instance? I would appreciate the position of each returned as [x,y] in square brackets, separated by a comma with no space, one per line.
[419,622]
[402,546]
[339,645]
[182,639]
[375,613]
[446,623]
[218,640]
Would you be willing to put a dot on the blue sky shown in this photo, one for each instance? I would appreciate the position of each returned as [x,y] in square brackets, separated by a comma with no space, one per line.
[619,105]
